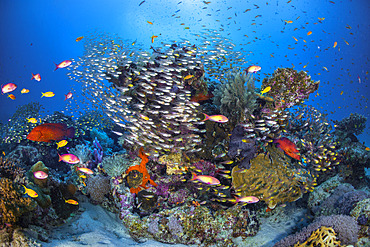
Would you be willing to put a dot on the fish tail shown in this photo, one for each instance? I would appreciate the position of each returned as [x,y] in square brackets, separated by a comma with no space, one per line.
[56,67]
[193,176]
[207,117]
[60,157]
[25,189]
[43,94]
[33,76]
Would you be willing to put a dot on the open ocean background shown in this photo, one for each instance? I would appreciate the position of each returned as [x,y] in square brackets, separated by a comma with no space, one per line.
[36,34]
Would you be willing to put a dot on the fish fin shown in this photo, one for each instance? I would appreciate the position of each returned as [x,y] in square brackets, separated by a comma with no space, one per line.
[207,117]
[60,157]
[42,94]
[193,176]
[56,67]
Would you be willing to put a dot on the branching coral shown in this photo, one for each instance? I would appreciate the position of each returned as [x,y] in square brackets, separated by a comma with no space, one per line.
[9,170]
[12,204]
[290,87]
[233,98]
[139,174]
[272,178]
[324,236]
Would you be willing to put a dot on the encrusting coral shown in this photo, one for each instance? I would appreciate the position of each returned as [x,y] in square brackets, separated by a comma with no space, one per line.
[12,204]
[272,178]
[139,174]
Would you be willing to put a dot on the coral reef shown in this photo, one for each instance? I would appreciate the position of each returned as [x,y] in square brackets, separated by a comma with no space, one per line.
[102,138]
[241,147]
[138,176]
[115,165]
[324,236]
[233,98]
[362,215]
[12,204]
[174,163]
[290,87]
[314,139]
[272,178]
[82,152]
[349,126]
[345,226]
[97,187]
[8,169]
[191,224]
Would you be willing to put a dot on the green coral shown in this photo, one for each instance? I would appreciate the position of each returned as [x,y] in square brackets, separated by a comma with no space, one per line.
[232,96]
[272,178]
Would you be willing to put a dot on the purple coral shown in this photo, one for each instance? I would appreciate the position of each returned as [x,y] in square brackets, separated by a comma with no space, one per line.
[206,167]
[175,226]
[97,153]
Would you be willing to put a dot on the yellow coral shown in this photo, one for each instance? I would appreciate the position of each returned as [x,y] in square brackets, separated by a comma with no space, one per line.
[174,163]
[12,204]
[324,236]
[272,178]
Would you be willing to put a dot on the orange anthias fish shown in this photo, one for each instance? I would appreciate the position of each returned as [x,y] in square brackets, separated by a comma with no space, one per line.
[71,201]
[51,132]
[79,38]
[216,118]
[201,97]
[37,77]
[69,158]
[63,64]
[7,88]
[30,192]
[11,96]
[288,147]
[253,69]
[85,170]
[153,37]
[68,96]
[205,179]
[245,199]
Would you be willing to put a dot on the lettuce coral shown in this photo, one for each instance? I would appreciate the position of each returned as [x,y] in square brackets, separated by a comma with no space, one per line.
[272,178]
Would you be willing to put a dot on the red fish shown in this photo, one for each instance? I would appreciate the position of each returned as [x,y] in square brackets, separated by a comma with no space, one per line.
[63,64]
[201,97]
[51,132]
[68,96]
[288,147]
[36,77]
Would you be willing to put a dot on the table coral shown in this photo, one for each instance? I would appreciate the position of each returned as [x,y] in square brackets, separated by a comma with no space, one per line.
[272,178]
[142,170]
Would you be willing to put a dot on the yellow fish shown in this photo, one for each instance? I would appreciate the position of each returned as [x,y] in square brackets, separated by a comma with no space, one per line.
[30,192]
[32,120]
[335,44]
[188,77]
[71,201]
[62,143]
[266,90]
[24,90]
[47,94]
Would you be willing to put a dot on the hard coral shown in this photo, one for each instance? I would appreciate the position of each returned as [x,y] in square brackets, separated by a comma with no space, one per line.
[12,204]
[324,236]
[290,87]
[141,169]
[345,226]
[272,178]
[97,187]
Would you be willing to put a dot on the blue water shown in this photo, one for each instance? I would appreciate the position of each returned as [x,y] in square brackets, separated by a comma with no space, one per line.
[37,34]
